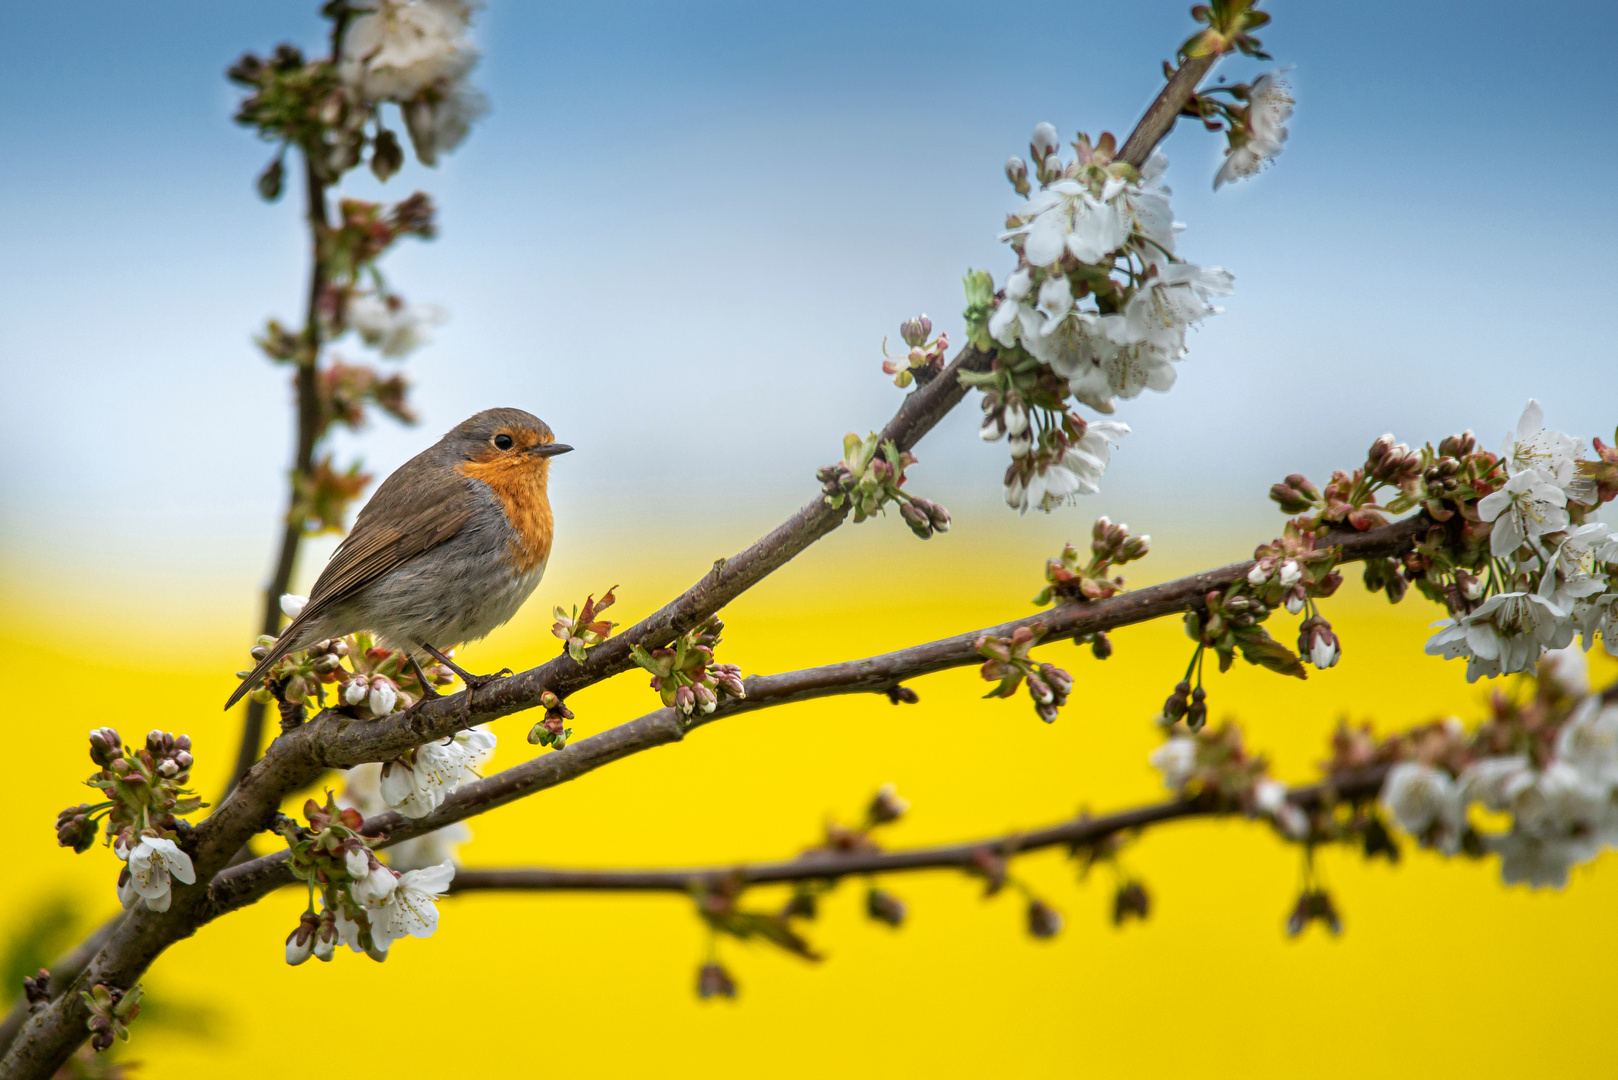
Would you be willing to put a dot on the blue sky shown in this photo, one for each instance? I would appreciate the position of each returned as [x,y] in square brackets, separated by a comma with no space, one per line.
[683,231]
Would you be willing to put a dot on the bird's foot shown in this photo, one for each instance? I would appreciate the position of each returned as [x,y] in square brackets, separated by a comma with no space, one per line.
[427,691]
[473,683]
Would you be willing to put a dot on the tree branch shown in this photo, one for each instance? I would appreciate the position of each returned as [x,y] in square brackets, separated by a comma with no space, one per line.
[306,386]
[1082,831]
[249,881]
[63,971]
[297,757]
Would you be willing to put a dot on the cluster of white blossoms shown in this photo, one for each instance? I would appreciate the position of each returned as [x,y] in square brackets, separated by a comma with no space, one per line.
[154,864]
[418,783]
[1258,140]
[1553,576]
[416,53]
[397,905]
[1563,810]
[362,790]
[390,325]
[1098,294]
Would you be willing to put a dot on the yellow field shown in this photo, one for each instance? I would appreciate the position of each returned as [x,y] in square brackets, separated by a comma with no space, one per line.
[1441,970]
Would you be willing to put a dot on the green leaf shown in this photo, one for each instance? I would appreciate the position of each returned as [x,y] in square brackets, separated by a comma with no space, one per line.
[1258,647]
[641,656]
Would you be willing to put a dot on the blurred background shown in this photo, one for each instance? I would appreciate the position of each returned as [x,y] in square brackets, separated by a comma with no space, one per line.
[680,237]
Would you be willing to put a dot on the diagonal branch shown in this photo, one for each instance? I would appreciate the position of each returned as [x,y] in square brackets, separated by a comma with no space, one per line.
[1079,832]
[876,674]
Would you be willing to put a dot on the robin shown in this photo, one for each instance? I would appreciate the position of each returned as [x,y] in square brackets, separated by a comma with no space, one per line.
[447,549]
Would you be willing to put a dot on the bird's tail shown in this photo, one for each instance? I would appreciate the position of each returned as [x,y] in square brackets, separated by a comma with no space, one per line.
[286,643]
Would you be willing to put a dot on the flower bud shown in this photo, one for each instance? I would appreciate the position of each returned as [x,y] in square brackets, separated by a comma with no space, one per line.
[884,907]
[383,695]
[1469,584]
[1317,641]
[1060,682]
[1044,921]
[354,691]
[1458,446]
[292,605]
[74,828]
[714,981]
[897,694]
[1101,647]
[1017,173]
[301,942]
[1044,141]
[104,746]
[1300,483]
[685,699]
[706,699]
[917,519]
[993,427]
[1136,547]
[886,806]
[1130,901]
[938,516]
[1290,499]
[915,332]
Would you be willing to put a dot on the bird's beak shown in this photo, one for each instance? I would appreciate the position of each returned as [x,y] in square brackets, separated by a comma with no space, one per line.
[551,449]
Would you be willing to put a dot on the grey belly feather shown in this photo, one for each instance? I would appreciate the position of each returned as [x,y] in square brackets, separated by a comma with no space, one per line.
[459,591]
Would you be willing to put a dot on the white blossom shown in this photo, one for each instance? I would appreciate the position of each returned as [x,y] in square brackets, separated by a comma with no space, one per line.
[1528,507]
[1095,217]
[1535,448]
[430,849]
[1495,781]
[392,326]
[1600,616]
[1271,798]
[411,909]
[1566,669]
[399,48]
[154,864]
[1176,759]
[374,887]
[1535,860]
[292,605]
[1078,472]
[1561,814]
[439,118]
[1269,108]
[1176,298]
[1588,742]
[1425,803]
[1507,634]
[1572,571]
[417,788]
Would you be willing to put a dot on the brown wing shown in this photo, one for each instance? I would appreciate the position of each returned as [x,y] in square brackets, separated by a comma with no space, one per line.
[417,508]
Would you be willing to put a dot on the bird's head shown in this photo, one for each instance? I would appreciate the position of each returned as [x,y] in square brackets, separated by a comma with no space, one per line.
[504,439]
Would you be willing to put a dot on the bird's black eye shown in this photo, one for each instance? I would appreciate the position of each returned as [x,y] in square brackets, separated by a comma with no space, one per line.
[502,442]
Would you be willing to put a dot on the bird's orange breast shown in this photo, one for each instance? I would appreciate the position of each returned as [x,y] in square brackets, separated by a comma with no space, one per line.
[519,484]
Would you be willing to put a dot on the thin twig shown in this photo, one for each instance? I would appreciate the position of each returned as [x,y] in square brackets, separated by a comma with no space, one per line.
[306,384]
[1078,832]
